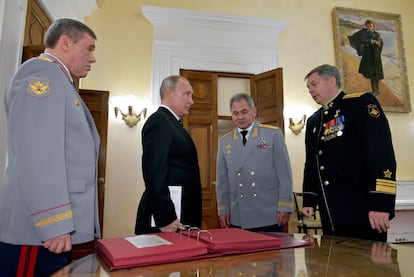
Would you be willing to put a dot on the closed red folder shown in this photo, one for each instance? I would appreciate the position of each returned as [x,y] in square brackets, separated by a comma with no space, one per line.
[120,253]
[190,245]
[235,240]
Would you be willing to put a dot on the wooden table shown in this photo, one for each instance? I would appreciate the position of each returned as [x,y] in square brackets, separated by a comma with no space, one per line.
[329,256]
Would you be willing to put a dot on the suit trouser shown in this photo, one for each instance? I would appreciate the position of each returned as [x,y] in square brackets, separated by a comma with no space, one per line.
[30,260]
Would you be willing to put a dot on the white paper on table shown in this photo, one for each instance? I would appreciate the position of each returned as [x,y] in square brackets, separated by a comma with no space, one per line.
[143,241]
[176,195]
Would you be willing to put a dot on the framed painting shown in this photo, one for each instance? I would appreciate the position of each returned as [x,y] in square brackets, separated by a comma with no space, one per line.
[370,56]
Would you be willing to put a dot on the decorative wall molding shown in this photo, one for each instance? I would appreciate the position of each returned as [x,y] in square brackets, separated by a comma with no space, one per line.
[75,9]
[210,41]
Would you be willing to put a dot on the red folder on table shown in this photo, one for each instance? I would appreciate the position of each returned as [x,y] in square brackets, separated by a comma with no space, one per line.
[122,253]
[234,240]
[126,252]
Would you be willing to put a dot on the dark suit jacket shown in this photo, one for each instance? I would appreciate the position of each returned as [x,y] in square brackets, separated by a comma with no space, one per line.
[169,158]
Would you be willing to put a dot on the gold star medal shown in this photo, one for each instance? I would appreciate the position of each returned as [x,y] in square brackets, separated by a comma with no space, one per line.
[387,173]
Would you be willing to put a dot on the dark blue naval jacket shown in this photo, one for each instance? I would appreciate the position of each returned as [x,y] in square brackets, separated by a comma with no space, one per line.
[350,165]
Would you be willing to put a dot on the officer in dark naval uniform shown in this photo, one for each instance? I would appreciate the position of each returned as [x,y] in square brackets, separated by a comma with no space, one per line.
[350,165]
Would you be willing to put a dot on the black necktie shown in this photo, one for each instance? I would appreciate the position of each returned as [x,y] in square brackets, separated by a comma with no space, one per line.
[244,133]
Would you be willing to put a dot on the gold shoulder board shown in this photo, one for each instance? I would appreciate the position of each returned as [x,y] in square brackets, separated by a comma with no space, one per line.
[268,126]
[354,95]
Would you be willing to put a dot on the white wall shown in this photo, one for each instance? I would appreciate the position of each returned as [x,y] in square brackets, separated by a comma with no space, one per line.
[12,23]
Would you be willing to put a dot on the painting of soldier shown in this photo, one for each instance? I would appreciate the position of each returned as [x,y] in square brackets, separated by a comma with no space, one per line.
[370,56]
[368,44]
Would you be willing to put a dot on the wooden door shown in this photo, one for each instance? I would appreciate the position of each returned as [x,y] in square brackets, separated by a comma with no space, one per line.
[267,93]
[37,22]
[202,123]
[97,103]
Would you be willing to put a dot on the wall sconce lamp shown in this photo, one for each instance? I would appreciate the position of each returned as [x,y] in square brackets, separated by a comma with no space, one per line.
[297,125]
[131,118]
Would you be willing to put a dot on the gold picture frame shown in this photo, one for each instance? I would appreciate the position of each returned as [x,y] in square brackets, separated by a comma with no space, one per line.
[393,93]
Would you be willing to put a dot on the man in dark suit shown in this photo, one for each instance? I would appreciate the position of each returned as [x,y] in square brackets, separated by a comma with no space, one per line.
[169,160]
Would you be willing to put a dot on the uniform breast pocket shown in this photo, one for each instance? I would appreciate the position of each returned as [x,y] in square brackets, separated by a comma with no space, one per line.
[75,115]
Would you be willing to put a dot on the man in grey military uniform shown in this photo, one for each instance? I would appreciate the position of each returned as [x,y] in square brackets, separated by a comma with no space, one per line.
[48,198]
[254,177]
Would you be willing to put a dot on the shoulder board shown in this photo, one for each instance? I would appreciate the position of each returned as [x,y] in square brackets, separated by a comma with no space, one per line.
[268,126]
[353,95]
[227,134]
[45,59]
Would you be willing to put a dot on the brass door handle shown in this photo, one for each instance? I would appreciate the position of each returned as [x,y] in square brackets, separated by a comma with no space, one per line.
[101,181]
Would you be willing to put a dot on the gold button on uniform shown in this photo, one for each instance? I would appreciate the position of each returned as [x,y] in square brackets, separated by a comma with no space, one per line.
[253,184]
[326,183]
[252,173]
[254,195]
[241,185]
[241,195]
[322,167]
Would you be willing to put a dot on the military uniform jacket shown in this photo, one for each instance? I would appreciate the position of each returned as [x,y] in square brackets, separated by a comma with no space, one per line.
[254,181]
[50,184]
[350,164]
[169,159]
